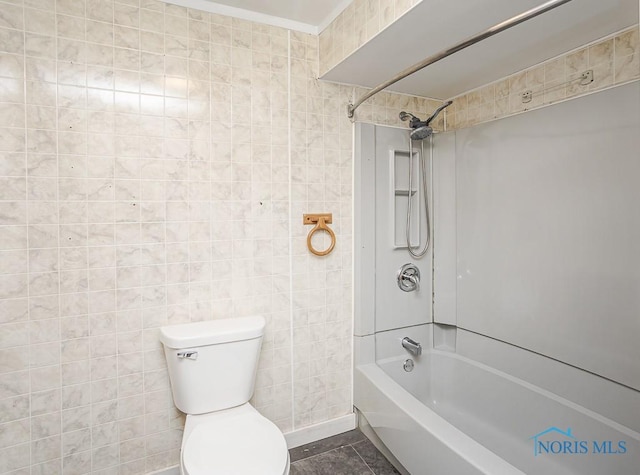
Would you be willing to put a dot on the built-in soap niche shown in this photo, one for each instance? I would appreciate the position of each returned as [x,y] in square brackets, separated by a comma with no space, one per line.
[400,192]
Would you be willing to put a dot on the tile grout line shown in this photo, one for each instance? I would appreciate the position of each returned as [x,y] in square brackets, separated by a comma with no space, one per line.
[59,260]
[27,220]
[116,286]
[333,450]
[290,233]
[321,453]
[361,458]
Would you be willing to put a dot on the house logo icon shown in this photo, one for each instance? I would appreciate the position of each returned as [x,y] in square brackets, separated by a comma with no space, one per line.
[541,446]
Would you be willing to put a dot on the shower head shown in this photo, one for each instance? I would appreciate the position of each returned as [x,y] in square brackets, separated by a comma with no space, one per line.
[437,111]
[421,133]
[420,129]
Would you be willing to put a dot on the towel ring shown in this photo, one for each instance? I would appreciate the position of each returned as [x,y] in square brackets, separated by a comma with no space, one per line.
[320,221]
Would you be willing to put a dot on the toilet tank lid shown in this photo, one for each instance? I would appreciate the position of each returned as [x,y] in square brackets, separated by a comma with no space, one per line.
[188,335]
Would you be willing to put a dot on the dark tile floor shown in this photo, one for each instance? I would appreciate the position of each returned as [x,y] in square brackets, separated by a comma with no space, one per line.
[350,453]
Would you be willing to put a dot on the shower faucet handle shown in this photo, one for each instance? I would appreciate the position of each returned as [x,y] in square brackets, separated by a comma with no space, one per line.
[412,346]
[414,279]
[408,277]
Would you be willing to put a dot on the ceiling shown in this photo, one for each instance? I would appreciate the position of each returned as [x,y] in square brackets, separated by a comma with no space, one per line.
[309,16]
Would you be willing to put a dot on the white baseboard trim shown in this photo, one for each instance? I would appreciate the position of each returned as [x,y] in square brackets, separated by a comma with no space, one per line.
[315,432]
[300,437]
[167,471]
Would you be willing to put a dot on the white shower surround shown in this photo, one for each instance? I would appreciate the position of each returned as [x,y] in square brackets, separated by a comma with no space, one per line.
[403,408]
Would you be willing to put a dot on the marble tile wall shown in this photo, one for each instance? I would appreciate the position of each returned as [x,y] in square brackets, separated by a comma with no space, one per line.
[148,176]
[384,108]
[321,179]
[357,24]
[614,60]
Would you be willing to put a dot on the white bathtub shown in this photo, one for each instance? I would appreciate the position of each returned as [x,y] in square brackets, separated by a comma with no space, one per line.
[452,415]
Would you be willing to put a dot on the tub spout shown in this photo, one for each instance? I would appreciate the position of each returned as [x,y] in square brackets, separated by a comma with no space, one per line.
[411,346]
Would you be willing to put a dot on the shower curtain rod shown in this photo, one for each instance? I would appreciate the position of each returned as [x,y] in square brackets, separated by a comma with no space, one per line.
[505,25]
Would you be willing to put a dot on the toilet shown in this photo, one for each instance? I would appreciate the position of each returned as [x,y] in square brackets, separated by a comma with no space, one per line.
[212,367]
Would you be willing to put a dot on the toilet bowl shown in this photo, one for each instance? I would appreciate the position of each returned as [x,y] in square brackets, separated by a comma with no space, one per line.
[237,441]
[212,369]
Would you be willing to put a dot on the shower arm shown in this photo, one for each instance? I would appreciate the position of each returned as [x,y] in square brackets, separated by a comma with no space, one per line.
[505,25]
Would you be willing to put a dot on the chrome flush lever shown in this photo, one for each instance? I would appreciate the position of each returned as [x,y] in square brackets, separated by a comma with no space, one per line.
[190,355]
[412,346]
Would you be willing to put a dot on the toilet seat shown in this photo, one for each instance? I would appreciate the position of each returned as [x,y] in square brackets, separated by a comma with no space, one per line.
[241,444]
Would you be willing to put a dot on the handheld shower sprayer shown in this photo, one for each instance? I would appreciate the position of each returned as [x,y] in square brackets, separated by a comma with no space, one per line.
[404,116]
[420,130]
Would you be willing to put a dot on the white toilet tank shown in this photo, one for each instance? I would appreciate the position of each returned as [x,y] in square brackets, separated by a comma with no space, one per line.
[212,365]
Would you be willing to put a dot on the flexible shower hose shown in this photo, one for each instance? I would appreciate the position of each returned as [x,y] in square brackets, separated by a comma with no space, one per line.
[423,169]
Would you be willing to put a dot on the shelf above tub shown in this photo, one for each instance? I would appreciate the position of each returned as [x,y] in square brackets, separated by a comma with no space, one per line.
[432,26]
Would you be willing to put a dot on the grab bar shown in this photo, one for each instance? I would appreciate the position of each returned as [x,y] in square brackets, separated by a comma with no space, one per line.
[412,346]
